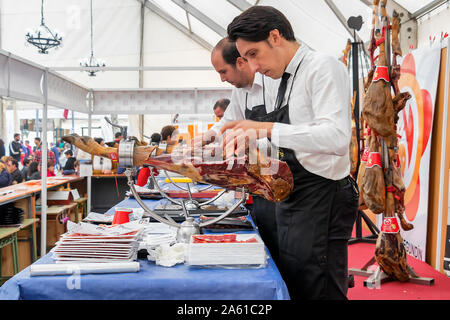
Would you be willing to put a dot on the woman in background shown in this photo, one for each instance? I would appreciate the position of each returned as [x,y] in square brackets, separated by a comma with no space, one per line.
[34,171]
[50,170]
[5,176]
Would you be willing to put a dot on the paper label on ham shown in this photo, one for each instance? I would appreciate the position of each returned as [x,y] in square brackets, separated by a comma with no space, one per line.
[374,160]
[381,73]
[390,225]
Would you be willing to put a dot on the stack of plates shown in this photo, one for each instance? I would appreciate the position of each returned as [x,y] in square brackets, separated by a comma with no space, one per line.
[10,215]
[226,250]
[104,247]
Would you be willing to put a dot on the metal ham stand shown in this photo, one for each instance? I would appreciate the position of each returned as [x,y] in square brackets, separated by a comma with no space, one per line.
[378,277]
[189,226]
[355,23]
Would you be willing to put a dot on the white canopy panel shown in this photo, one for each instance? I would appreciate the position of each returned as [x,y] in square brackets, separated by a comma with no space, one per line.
[169,101]
[177,33]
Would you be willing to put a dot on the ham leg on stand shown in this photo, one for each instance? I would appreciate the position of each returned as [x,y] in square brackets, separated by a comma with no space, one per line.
[268,177]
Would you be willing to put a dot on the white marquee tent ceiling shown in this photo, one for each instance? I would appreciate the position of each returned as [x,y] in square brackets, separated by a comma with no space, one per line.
[117,25]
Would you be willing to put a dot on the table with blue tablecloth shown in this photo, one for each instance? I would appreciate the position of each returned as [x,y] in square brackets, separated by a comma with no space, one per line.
[180,282]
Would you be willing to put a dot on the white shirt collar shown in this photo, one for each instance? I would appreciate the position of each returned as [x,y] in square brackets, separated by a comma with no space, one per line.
[257,83]
[298,57]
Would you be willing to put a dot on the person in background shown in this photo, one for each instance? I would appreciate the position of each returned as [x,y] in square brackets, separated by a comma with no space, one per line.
[220,106]
[15,147]
[24,152]
[50,170]
[5,159]
[38,155]
[60,145]
[55,151]
[62,156]
[34,171]
[2,148]
[155,139]
[5,176]
[37,144]
[13,169]
[100,141]
[26,165]
[69,167]
[29,152]
[117,137]
[169,135]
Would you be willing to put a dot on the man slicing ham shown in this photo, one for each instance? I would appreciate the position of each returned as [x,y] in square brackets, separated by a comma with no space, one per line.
[310,123]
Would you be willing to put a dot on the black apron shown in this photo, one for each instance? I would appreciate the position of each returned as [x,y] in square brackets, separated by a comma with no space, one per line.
[314,225]
[263,211]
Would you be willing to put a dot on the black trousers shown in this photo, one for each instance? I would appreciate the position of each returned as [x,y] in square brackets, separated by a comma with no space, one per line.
[263,215]
[314,227]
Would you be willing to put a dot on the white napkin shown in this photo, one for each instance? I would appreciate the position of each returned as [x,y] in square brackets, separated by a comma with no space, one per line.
[168,256]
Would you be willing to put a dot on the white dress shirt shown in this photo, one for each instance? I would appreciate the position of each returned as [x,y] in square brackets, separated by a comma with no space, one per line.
[236,108]
[320,114]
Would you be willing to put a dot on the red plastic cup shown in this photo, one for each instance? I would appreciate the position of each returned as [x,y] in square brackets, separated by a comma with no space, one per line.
[122,215]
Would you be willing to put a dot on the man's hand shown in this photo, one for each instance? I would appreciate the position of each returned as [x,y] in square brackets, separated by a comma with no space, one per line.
[242,135]
[204,139]
[198,142]
[246,125]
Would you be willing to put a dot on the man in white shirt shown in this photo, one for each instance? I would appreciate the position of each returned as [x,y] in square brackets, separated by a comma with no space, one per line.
[249,93]
[311,125]
[220,107]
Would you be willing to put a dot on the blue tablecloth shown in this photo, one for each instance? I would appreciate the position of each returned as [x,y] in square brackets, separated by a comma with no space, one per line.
[153,282]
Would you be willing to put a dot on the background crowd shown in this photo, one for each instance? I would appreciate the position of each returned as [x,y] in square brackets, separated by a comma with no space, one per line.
[24,161]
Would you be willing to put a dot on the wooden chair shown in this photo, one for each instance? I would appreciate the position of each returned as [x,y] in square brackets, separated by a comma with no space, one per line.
[9,236]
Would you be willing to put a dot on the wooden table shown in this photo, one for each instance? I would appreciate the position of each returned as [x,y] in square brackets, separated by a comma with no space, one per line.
[28,190]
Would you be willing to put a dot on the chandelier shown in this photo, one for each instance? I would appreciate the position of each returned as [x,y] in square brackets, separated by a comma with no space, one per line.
[92,65]
[42,37]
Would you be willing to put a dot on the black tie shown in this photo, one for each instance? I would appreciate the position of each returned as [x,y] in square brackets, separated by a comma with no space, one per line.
[282,90]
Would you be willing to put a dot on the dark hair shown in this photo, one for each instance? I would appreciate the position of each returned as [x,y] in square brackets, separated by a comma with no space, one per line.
[98,140]
[166,132]
[38,139]
[26,161]
[32,168]
[118,134]
[255,24]
[222,104]
[156,137]
[69,152]
[229,51]
[14,162]
[16,135]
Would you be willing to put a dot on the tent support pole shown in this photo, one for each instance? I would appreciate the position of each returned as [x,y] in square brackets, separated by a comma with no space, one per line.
[89,178]
[44,159]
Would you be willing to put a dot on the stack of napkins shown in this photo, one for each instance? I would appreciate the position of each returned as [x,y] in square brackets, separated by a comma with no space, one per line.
[85,242]
[226,250]
[157,233]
